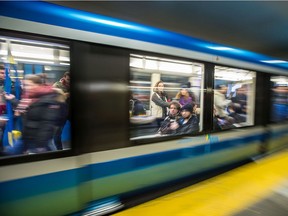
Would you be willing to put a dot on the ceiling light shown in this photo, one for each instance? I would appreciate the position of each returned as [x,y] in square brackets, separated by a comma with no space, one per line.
[221,48]
[274,61]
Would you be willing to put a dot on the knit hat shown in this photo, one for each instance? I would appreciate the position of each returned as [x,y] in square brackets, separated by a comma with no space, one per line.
[187,107]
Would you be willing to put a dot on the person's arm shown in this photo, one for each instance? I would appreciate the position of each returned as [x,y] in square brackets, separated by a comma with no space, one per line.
[221,103]
[12,99]
[158,101]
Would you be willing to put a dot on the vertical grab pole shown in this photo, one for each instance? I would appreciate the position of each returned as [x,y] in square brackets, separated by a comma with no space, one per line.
[7,137]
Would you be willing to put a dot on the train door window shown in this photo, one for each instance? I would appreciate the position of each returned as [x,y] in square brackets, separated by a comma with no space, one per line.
[37,74]
[151,106]
[279,111]
[234,98]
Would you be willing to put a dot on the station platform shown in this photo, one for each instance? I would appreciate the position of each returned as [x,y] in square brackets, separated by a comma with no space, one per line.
[255,189]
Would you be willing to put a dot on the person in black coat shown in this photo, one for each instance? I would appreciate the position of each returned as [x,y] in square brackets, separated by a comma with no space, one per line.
[41,113]
[189,122]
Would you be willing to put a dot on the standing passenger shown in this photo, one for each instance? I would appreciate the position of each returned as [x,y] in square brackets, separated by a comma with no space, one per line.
[4,118]
[2,104]
[64,85]
[159,102]
[220,101]
[40,113]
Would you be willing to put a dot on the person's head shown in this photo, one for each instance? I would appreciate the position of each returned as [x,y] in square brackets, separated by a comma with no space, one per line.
[66,77]
[2,72]
[241,91]
[222,89]
[31,82]
[184,91]
[174,108]
[159,86]
[187,110]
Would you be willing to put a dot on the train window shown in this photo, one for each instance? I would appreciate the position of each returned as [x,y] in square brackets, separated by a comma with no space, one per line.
[234,98]
[279,111]
[165,97]
[34,103]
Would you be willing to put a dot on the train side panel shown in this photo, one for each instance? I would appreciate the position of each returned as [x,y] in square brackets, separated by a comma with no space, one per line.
[104,162]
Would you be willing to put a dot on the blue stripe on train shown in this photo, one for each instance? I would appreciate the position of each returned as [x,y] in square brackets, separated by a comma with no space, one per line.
[35,185]
[48,13]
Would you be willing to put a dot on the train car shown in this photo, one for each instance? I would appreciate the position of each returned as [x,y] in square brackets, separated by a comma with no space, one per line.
[114,145]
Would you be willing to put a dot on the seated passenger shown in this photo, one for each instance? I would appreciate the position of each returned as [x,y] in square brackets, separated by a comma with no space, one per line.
[222,123]
[189,122]
[240,100]
[169,125]
[183,96]
[136,107]
[232,113]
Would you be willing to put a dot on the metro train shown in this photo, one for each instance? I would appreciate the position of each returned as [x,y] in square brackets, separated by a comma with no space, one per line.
[110,154]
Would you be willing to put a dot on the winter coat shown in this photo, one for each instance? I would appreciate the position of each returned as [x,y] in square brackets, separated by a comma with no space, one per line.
[190,127]
[159,105]
[41,119]
[165,124]
[220,103]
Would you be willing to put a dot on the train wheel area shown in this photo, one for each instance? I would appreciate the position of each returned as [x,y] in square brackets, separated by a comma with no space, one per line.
[259,188]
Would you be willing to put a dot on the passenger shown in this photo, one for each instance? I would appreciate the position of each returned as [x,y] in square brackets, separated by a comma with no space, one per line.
[191,94]
[3,111]
[136,106]
[41,113]
[183,96]
[189,122]
[220,101]
[64,85]
[2,104]
[2,99]
[237,118]
[170,123]
[159,102]
[240,100]
[216,121]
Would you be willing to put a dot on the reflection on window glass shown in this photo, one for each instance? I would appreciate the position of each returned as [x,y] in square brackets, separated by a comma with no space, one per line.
[279,98]
[234,98]
[35,95]
[165,97]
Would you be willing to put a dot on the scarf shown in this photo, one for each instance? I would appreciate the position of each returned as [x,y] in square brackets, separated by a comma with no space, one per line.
[28,98]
